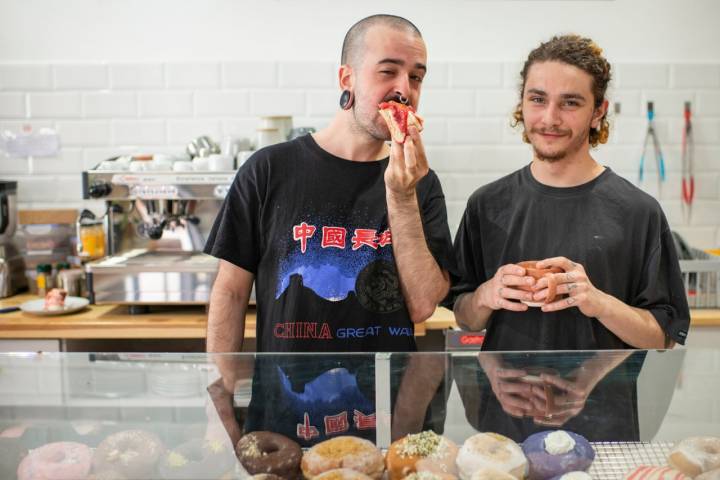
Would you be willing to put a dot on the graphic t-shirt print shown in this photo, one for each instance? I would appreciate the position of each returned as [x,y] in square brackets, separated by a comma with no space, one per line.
[342,264]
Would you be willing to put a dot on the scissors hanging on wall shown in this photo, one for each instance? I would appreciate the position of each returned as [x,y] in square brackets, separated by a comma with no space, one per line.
[651,136]
[688,169]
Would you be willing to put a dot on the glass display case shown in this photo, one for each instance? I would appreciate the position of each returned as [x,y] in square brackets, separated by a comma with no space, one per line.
[166,415]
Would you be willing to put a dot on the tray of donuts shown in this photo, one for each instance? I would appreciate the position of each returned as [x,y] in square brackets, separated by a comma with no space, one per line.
[548,455]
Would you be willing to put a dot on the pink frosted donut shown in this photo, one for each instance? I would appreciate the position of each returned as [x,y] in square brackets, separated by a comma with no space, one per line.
[56,461]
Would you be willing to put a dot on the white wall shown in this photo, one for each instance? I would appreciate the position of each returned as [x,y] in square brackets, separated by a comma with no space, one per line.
[121,76]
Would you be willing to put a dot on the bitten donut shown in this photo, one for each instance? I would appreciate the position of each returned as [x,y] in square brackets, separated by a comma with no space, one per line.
[645,472]
[553,453]
[268,452]
[195,459]
[491,450]
[344,452]
[342,474]
[422,452]
[696,455]
[132,453]
[56,461]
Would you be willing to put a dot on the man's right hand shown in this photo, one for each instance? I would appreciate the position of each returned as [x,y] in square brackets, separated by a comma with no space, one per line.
[500,292]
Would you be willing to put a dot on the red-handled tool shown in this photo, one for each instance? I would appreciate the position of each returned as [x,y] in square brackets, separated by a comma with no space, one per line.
[688,170]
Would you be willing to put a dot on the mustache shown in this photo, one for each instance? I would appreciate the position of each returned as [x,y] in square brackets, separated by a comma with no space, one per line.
[398,98]
[551,131]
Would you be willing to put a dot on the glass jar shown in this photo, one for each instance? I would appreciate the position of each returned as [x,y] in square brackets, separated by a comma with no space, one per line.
[92,239]
[44,278]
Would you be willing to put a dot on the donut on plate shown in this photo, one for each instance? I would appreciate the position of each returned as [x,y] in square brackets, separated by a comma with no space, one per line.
[268,452]
[344,452]
[696,455]
[553,453]
[422,452]
[131,453]
[491,450]
[56,461]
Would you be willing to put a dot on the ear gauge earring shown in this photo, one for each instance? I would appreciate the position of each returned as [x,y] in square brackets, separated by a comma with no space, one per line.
[346,99]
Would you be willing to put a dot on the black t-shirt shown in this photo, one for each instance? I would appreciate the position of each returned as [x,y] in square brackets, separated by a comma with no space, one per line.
[314,230]
[612,228]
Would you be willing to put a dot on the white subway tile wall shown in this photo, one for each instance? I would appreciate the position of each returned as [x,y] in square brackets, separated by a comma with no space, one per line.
[102,110]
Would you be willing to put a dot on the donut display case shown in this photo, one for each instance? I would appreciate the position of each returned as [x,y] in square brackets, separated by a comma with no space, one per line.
[421,416]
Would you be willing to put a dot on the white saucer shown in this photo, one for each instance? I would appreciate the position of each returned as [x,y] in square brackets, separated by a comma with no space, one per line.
[37,307]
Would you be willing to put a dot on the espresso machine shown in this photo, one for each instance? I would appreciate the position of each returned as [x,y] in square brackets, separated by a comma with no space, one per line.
[156,222]
[12,266]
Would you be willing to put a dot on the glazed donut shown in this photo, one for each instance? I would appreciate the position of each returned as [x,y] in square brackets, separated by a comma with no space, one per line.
[341,474]
[131,453]
[553,453]
[422,452]
[195,459]
[56,461]
[696,455]
[268,452]
[494,451]
[344,452]
[645,472]
[711,475]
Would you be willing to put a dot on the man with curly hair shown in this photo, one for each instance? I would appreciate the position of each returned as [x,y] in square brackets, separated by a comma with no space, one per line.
[620,284]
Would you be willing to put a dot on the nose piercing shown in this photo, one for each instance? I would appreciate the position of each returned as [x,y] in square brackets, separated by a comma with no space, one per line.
[402,99]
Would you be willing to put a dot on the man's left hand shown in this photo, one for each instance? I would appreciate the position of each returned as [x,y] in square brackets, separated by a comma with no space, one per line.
[408,165]
[575,283]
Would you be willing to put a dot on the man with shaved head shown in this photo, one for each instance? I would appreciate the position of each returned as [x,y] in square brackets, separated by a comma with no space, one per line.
[346,239]
[344,234]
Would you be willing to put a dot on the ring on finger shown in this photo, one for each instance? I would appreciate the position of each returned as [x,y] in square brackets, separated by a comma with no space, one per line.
[570,300]
[571,286]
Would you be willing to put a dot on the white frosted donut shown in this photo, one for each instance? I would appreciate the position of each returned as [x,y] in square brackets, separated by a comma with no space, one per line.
[696,455]
[491,474]
[494,451]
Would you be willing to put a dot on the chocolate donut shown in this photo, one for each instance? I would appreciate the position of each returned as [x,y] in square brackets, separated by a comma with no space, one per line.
[197,459]
[268,452]
[132,453]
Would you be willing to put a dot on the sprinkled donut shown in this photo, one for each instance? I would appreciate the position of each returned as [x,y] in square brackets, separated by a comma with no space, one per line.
[56,461]
[268,452]
[422,452]
[132,453]
[197,459]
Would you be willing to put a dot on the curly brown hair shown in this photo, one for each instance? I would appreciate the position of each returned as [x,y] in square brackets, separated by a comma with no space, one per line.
[579,52]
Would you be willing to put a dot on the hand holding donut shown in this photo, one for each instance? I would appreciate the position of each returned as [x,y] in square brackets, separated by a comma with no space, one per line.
[574,283]
[568,399]
[501,292]
[514,396]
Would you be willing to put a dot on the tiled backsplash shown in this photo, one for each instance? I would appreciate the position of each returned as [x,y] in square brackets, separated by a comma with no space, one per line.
[101,110]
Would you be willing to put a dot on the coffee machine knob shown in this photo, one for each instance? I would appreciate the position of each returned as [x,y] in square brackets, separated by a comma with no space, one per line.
[100,189]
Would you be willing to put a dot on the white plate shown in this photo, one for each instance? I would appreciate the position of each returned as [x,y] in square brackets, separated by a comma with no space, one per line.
[72,305]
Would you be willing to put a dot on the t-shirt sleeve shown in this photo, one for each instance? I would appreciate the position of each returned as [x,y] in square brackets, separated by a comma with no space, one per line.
[468,256]
[235,235]
[662,291]
[435,226]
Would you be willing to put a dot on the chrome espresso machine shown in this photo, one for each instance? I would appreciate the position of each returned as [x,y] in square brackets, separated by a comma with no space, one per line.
[156,221]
